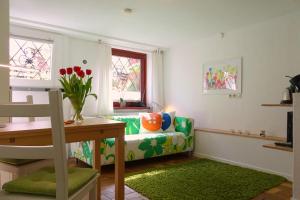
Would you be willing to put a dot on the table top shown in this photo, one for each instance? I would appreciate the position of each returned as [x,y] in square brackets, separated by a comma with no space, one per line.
[45,126]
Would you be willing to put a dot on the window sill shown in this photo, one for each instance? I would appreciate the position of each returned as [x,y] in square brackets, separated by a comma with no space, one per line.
[131,110]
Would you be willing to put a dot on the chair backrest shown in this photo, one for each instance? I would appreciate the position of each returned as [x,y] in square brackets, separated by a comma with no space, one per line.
[29,100]
[56,151]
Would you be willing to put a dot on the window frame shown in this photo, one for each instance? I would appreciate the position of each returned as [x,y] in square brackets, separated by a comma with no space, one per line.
[19,82]
[143,58]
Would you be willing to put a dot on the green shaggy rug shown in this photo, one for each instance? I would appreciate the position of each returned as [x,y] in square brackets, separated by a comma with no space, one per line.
[201,179]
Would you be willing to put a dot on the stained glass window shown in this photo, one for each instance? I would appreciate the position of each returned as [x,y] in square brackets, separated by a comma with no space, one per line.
[129,77]
[126,78]
[30,59]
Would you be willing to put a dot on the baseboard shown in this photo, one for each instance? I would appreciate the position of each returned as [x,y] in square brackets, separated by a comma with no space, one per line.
[200,155]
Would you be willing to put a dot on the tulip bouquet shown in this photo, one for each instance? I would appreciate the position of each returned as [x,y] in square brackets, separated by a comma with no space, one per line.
[77,85]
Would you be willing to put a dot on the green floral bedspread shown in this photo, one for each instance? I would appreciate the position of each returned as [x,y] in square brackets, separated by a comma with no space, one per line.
[140,145]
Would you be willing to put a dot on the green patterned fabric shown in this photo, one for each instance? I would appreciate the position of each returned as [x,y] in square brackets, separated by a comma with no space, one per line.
[184,125]
[42,182]
[132,124]
[153,146]
[142,145]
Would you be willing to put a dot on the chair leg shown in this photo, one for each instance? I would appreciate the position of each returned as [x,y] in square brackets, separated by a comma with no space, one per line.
[93,194]
[0,181]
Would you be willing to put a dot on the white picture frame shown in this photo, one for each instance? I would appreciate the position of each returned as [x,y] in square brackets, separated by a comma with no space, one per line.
[222,77]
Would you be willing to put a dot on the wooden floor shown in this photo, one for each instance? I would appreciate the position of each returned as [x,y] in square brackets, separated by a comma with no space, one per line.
[282,192]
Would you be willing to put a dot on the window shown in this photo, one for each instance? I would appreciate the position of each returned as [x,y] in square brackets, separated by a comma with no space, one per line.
[129,78]
[30,59]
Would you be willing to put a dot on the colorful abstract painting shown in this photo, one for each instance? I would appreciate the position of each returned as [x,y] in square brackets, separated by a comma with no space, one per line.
[223,77]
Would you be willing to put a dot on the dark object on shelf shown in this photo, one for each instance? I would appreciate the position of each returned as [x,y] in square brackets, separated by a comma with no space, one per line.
[290,127]
[295,81]
[287,97]
[289,132]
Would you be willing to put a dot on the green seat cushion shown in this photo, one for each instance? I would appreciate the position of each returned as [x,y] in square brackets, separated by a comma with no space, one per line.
[42,182]
[17,162]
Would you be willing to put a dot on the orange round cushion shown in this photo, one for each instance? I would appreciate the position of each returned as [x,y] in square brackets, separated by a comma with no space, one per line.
[151,121]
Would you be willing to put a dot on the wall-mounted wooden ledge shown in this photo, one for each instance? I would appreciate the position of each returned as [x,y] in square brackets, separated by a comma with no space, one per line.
[277,105]
[274,146]
[248,135]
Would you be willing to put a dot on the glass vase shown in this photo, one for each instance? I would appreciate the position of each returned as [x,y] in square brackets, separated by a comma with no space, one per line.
[77,117]
[77,107]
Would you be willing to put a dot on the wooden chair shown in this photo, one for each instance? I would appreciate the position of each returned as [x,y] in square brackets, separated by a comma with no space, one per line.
[13,168]
[56,151]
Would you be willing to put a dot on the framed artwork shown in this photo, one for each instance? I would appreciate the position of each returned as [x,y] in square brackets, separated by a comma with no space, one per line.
[223,77]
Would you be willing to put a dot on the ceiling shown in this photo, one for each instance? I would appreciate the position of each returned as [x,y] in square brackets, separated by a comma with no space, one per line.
[157,22]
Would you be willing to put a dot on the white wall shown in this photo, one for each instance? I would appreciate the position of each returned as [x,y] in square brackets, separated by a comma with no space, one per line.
[245,152]
[270,50]
[78,51]
[4,24]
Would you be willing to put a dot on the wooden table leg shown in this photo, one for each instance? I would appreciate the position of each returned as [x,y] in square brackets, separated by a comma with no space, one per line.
[119,168]
[97,165]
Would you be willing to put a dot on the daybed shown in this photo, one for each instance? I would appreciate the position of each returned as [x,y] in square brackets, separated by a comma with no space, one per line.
[140,145]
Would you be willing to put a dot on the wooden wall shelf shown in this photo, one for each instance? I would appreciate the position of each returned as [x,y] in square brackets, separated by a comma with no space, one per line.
[274,146]
[277,105]
[248,135]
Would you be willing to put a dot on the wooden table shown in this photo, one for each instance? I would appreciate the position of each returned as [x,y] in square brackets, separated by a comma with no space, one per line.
[94,129]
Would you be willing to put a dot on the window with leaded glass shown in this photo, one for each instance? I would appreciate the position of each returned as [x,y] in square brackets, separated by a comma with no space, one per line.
[30,59]
[129,77]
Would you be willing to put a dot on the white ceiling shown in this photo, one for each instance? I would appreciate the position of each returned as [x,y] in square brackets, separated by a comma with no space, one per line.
[159,22]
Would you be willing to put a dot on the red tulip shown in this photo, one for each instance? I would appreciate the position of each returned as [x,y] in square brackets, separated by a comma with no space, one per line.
[62,71]
[77,68]
[88,72]
[69,70]
[81,74]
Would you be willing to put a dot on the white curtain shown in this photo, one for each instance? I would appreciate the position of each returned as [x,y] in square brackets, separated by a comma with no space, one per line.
[157,81]
[103,80]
